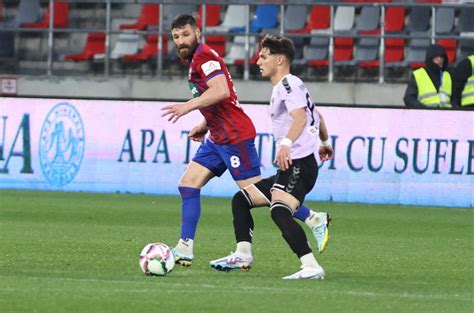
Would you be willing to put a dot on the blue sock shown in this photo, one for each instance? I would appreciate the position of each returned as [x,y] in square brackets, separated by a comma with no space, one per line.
[190,211]
[302,213]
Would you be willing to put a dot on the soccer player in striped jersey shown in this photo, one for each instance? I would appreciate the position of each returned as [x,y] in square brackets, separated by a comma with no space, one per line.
[297,128]
[232,133]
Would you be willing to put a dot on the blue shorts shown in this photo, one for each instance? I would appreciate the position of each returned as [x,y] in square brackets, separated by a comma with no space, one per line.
[241,159]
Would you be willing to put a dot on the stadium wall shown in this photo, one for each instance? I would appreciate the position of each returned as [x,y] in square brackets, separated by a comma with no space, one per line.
[397,156]
[248,91]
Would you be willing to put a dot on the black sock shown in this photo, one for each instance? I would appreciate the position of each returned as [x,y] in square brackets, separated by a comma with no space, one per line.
[290,229]
[243,221]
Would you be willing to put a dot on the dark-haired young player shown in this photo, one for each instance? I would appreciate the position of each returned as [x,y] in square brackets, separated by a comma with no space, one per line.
[297,128]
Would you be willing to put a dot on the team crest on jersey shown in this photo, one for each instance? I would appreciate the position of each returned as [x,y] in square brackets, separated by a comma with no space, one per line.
[62,144]
[313,131]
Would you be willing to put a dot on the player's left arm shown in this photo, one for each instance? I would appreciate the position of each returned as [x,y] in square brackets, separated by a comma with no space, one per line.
[218,90]
[283,157]
[326,152]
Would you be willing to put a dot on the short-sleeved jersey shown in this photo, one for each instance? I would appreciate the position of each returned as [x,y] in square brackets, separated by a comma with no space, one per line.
[226,120]
[289,94]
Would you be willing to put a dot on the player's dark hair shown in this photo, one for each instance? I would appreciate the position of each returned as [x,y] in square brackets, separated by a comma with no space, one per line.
[182,20]
[279,45]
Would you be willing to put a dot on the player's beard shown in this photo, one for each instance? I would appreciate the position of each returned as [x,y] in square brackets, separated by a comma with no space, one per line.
[186,51]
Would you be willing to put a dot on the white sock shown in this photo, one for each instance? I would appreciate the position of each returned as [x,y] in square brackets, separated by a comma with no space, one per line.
[185,245]
[244,248]
[308,260]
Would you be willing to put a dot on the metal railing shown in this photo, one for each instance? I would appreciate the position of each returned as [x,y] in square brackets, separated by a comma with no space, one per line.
[332,34]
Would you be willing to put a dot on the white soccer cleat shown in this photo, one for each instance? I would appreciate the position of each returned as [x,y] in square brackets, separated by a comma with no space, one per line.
[308,273]
[185,260]
[320,230]
[231,262]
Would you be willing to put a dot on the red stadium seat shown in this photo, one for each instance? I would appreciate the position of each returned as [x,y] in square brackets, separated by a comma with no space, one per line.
[61,16]
[217,43]
[343,49]
[416,65]
[149,51]
[213,15]
[343,52]
[95,44]
[213,18]
[394,47]
[319,18]
[451,46]
[394,52]
[395,19]
[149,16]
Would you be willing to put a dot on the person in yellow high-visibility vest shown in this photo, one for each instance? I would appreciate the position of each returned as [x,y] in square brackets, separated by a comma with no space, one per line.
[463,84]
[430,86]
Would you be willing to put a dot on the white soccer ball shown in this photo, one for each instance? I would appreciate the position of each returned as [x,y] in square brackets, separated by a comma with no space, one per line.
[156,259]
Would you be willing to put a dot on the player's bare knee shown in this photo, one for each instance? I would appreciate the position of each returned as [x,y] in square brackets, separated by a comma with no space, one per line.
[256,196]
[194,181]
[187,182]
[195,176]
[286,198]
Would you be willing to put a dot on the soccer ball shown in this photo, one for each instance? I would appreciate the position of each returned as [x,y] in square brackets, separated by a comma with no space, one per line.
[156,259]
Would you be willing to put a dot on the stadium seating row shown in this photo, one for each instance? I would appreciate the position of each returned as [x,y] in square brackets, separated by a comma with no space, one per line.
[408,32]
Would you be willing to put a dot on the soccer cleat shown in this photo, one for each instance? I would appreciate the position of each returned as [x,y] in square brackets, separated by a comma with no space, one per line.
[320,230]
[182,259]
[232,262]
[307,273]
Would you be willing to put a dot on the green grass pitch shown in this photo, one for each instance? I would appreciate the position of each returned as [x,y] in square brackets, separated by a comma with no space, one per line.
[78,252]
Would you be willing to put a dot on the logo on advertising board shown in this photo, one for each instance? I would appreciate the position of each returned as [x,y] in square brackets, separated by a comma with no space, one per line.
[62,144]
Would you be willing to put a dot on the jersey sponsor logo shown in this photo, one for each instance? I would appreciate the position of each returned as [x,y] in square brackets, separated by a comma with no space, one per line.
[194,90]
[210,66]
[313,131]
[62,144]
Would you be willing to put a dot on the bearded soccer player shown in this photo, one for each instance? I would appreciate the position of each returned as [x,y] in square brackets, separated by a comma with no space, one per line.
[232,133]
[296,127]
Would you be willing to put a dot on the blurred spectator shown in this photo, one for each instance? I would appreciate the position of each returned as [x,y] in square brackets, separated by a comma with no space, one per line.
[430,86]
[463,84]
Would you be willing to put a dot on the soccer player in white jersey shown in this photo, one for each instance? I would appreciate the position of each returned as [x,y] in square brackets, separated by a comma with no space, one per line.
[297,128]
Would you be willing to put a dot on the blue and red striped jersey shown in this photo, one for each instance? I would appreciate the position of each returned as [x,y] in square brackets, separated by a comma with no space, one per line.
[226,120]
